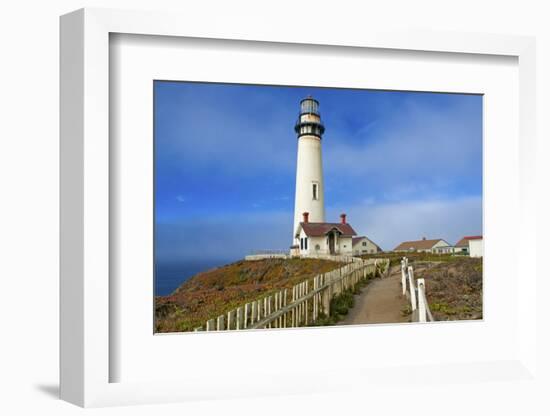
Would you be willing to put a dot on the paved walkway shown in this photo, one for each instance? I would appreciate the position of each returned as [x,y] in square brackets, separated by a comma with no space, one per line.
[380,302]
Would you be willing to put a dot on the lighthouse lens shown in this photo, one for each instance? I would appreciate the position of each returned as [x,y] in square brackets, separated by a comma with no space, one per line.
[310,106]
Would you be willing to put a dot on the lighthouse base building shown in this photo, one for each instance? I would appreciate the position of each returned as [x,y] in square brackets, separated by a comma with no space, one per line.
[324,238]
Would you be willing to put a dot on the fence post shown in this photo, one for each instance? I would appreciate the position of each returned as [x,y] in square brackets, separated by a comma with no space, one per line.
[300,296]
[230,318]
[421,300]
[269,302]
[239,318]
[326,301]
[403,277]
[293,309]
[253,313]
[412,287]
[281,295]
[315,300]
[246,312]
[211,325]
[284,304]
[221,324]
[306,304]
[275,308]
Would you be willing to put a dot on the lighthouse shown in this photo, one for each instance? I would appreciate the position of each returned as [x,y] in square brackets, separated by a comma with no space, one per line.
[310,193]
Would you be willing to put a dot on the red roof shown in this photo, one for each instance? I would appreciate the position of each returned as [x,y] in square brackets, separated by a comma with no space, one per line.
[418,244]
[464,241]
[318,229]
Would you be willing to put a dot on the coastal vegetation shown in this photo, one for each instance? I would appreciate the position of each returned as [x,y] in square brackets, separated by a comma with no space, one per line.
[454,288]
[216,291]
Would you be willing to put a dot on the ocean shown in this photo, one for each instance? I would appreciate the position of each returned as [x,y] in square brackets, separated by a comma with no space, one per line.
[171,274]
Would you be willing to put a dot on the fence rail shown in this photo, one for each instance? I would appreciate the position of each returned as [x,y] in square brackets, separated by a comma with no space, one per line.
[269,251]
[303,304]
[282,254]
[416,292]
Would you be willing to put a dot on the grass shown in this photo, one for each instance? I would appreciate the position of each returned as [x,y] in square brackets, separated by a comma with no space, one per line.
[454,289]
[215,292]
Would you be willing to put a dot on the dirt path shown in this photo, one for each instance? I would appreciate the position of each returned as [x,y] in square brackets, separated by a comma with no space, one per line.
[380,302]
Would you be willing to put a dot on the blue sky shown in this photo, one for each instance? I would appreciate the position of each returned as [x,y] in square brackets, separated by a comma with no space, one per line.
[402,165]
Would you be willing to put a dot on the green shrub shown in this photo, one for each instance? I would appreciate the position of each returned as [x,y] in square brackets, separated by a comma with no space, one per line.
[341,303]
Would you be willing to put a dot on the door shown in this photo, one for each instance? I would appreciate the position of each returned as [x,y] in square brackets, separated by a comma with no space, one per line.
[331,243]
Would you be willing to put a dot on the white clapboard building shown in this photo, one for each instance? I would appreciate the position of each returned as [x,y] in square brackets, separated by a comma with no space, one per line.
[437,246]
[475,246]
[324,238]
[465,244]
[364,245]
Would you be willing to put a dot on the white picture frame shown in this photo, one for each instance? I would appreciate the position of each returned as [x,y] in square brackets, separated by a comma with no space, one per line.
[86,262]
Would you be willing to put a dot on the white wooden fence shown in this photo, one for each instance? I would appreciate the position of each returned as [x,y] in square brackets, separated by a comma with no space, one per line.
[303,304]
[416,292]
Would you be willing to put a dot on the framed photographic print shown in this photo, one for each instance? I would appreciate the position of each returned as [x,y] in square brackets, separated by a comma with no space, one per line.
[273,206]
[223,260]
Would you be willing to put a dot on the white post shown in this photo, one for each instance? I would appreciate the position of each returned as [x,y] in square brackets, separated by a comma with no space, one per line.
[230,316]
[284,304]
[253,313]
[280,307]
[221,323]
[403,277]
[315,286]
[421,300]
[211,325]
[275,308]
[246,311]
[305,306]
[239,317]
[411,287]
[269,310]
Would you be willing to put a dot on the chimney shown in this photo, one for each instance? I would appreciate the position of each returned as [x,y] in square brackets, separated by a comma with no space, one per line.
[343,218]
[423,238]
[306,217]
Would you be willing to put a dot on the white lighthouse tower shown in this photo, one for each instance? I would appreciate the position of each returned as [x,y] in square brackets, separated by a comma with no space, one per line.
[310,195]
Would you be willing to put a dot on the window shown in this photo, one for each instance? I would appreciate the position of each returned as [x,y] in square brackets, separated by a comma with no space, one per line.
[317,247]
[305,243]
[364,243]
[315,190]
[301,243]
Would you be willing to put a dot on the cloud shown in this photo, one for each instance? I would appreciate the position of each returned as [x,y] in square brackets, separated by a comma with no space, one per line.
[390,223]
[180,198]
